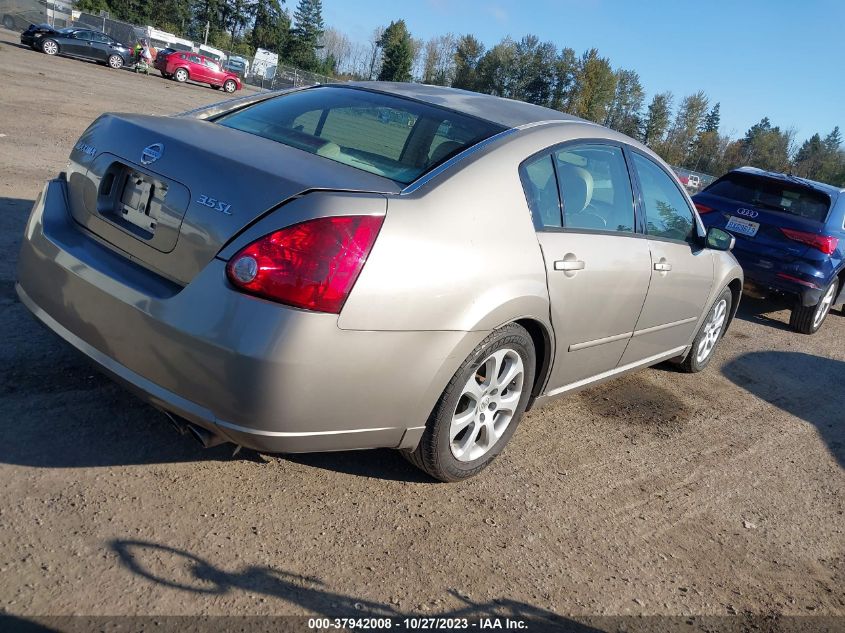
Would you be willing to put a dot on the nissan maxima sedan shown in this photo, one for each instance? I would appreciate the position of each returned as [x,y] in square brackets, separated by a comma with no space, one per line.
[371,265]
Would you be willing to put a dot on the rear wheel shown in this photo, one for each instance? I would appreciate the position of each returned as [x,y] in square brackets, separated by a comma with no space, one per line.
[480,408]
[50,47]
[115,61]
[229,86]
[181,75]
[808,319]
[709,334]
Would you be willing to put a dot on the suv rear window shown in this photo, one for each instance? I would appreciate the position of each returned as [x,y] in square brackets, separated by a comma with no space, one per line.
[772,194]
[398,138]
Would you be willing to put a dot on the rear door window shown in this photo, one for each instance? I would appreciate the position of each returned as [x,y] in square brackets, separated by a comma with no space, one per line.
[391,136]
[595,189]
[773,195]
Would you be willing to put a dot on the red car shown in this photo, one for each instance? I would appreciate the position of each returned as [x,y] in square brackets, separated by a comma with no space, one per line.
[184,65]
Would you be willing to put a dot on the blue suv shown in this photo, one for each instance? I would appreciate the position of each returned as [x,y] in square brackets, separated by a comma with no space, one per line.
[790,237]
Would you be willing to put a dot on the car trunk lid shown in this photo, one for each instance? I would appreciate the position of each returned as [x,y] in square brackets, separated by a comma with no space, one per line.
[171,192]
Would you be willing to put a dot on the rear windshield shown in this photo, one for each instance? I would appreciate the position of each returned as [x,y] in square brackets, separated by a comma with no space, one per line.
[393,137]
[775,195]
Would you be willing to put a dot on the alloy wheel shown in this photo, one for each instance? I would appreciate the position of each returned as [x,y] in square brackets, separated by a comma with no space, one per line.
[824,305]
[115,61]
[487,405]
[50,47]
[712,330]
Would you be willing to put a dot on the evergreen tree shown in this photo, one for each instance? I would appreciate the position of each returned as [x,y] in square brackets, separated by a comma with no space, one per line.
[468,53]
[397,53]
[713,120]
[304,38]
[271,26]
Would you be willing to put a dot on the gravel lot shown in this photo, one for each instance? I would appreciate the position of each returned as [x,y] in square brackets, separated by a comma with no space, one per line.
[660,493]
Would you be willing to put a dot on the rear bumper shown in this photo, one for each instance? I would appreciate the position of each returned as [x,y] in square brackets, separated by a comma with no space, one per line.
[767,278]
[258,374]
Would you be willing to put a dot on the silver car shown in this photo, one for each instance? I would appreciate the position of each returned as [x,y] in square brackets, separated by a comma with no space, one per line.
[371,265]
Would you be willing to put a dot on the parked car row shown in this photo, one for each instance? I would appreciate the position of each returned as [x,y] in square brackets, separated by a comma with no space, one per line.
[97,46]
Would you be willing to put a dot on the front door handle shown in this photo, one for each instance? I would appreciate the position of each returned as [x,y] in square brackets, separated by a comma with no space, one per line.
[565,264]
[663,267]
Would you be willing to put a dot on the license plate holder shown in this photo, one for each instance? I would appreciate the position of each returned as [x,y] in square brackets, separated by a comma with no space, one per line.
[744,227]
[134,203]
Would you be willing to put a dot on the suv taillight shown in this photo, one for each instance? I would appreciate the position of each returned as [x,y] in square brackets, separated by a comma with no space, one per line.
[703,208]
[311,265]
[825,243]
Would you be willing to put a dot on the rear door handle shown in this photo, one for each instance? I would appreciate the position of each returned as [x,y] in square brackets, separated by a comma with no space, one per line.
[565,264]
[663,267]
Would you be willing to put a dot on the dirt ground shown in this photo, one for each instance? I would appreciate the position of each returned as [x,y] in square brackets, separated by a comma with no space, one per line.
[658,494]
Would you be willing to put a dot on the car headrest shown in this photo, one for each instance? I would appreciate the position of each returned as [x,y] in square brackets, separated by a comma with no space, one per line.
[576,184]
[443,150]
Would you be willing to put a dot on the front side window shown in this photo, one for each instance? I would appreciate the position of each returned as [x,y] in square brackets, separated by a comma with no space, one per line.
[667,213]
[382,134]
[594,188]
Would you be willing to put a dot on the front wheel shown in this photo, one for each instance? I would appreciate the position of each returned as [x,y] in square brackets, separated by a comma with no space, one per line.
[480,408]
[115,61]
[230,86]
[808,319]
[181,75]
[709,334]
[50,47]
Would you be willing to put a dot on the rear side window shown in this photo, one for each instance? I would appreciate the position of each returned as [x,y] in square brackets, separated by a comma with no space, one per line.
[667,213]
[595,188]
[772,194]
[538,180]
[398,138]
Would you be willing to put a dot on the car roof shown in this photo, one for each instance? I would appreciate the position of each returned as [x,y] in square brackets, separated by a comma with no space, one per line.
[812,184]
[506,112]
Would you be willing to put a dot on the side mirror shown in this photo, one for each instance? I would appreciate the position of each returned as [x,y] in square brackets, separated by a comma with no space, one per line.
[719,240]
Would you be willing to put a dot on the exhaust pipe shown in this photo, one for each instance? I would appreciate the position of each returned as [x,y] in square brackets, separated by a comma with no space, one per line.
[176,423]
[201,435]
[204,436]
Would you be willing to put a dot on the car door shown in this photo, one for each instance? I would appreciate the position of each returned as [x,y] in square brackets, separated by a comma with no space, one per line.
[597,268]
[100,46]
[84,44]
[213,74]
[682,268]
[73,42]
[198,70]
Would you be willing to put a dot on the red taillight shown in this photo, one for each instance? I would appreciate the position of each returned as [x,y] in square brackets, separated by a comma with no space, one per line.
[703,208]
[311,265]
[825,243]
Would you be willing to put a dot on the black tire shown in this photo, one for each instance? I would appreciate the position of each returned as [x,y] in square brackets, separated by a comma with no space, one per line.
[808,319]
[115,62]
[229,86]
[434,454]
[49,46]
[181,75]
[697,359]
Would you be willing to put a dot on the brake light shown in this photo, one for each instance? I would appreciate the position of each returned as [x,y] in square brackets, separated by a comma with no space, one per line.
[703,208]
[825,243]
[311,265]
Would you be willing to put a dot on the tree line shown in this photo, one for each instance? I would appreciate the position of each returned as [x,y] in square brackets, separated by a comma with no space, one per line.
[685,131]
